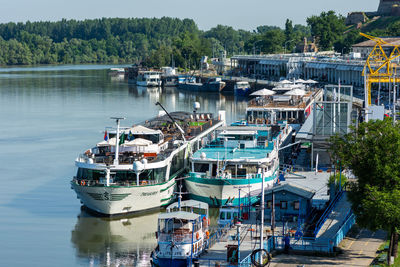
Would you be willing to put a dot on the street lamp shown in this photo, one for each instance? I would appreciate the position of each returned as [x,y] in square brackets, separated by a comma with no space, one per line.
[287,43]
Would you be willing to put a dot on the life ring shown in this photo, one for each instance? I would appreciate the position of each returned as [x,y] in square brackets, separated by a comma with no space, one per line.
[197,235]
[207,234]
[144,183]
[83,183]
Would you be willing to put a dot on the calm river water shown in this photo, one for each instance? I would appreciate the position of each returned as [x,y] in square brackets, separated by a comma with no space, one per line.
[48,115]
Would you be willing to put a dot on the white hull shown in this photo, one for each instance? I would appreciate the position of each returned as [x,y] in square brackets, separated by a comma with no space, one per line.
[148,84]
[118,200]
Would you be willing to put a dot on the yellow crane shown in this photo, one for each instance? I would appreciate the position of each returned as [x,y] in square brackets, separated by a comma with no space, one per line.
[379,67]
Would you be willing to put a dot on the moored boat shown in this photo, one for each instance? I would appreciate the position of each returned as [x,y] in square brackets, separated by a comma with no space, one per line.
[182,234]
[149,79]
[211,85]
[231,168]
[134,168]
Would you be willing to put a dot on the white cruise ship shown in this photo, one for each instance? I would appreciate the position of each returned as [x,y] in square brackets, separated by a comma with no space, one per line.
[134,169]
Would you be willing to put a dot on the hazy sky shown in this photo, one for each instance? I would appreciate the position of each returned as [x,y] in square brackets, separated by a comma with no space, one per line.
[243,14]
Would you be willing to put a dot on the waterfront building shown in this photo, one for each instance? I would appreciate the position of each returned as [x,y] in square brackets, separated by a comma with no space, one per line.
[366,47]
[324,67]
[292,201]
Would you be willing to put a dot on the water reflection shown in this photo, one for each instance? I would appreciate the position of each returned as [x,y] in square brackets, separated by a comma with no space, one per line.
[115,242]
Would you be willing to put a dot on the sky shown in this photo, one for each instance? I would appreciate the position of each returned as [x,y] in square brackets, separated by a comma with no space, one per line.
[240,14]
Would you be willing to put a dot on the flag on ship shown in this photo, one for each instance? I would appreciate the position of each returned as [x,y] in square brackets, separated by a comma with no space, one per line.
[122,139]
[105,136]
[130,136]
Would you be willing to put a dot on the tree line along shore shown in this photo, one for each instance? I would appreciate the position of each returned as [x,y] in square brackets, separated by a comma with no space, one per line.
[157,42]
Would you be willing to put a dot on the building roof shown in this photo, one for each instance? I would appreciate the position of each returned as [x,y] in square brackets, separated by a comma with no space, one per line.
[371,43]
[292,188]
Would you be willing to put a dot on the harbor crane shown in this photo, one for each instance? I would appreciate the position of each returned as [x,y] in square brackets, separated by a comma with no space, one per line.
[380,66]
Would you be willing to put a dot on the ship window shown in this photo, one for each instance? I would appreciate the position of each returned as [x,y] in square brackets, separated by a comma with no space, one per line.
[296,205]
[241,172]
[222,215]
[269,204]
[201,167]
[283,205]
[228,216]
[178,162]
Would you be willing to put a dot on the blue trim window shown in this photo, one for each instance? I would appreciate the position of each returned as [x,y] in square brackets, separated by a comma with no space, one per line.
[296,205]
[283,205]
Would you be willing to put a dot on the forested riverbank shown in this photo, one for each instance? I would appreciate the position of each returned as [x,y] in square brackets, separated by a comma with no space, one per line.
[162,41]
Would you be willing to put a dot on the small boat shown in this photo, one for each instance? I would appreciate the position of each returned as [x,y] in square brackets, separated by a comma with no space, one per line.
[182,234]
[117,72]
[211,85]
[227,215]
[149,79]
[241,88]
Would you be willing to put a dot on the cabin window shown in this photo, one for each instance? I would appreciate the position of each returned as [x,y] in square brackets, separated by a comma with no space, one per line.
[283,205]
[241,172]
[222,216]
[229,216]
[235,215]
[296,205]
[177,163]
[201,167]
[88,174]
[214,170]
[269,204]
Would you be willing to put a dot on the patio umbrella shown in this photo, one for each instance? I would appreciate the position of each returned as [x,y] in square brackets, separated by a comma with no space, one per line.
[263,92]
[311,82]
[300,81]
[296,92]
[285,82]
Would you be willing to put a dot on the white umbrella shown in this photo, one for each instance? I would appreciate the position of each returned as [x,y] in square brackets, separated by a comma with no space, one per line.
[311,82]
[296,92]
[138,142]
[110,142]
[300,81]
[263,92]
[285,82]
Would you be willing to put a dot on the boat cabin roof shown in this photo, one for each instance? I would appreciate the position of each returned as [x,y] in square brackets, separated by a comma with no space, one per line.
[228,132]
[182,215]
[189,203]
[232,154]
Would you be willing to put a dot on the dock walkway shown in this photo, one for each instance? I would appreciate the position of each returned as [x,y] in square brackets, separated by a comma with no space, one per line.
[336,219]
[218,252]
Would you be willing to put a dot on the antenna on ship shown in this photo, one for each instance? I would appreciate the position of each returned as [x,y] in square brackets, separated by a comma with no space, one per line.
[176,124]
[117,120]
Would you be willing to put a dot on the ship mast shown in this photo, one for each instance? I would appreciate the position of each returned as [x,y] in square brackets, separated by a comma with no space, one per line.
[117,119]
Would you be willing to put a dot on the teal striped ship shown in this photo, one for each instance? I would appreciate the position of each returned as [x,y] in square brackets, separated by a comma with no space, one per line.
[231,168]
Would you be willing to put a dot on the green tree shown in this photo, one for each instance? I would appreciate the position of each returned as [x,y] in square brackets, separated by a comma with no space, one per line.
[289,35]
[327,28]
[372,153]
[273,41]
[345,42]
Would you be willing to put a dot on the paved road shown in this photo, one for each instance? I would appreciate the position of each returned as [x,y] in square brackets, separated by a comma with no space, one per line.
[358,251]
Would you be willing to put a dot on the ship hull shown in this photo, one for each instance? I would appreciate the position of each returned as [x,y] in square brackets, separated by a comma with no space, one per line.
[116,200]
[219,192]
